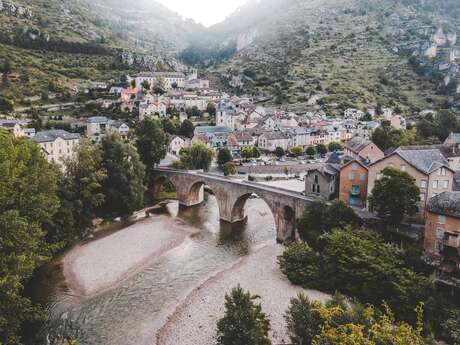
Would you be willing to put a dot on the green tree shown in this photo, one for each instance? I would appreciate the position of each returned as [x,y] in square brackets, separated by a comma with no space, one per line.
[6,105]
[80,193]
[334,146]
[223,156]
[169,126]
[279,152]
[297,151]
[451,326]
[151,144]
[145,85]
[123,186]
[394,196]
[300,264]
[197,156]
[243,322]
[229,168]
[248,152]
[321,149]
[319,218]
[311,151]
[187,128]
[211,109]
[255,152]
[303,320]
[28,202]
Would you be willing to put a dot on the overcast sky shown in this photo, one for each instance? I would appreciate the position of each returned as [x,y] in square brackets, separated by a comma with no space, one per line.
[206,12]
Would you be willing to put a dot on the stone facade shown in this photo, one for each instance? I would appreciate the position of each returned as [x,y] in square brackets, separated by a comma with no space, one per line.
[323,182]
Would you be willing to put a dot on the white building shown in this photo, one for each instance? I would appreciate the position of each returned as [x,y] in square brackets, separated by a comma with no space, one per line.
[271,140]
[57,145]
[152,110]
[13,126]
[168,79]
[178,143]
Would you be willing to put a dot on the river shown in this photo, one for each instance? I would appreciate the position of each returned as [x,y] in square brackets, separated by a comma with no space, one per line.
[132,311]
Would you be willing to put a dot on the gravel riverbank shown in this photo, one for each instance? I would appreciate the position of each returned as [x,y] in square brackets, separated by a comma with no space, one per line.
[94,267]
[194,321]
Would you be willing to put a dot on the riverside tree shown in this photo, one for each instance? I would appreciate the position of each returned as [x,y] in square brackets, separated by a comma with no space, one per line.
[28,202]
[224,156]
[123,186]
[187,128]
[279,152]
[151,144]
[395,196]
[80,193]
[243,322]
[197,156]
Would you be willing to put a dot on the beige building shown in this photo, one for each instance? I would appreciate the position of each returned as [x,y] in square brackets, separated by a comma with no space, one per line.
[57,145]
[13,126]
[178,143]
[429,168]
[271,140]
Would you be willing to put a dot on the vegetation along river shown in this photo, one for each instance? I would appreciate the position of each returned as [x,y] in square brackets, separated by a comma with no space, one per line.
[132,311]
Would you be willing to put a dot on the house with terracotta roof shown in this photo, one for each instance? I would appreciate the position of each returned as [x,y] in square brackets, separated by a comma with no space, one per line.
[362,148]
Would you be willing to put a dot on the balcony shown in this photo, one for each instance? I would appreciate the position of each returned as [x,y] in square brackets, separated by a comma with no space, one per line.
[451,240]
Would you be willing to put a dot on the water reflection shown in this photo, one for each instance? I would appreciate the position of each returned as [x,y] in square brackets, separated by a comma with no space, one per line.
[129,313]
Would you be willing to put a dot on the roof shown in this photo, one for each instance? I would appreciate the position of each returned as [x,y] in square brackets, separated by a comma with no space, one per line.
[334,158]
[357,144]
[243,136]
[52,135]
[97,119]
[212,129]
[326,169]
[425,161]
[447,150]
[275,136]
[447,203]
[9,123]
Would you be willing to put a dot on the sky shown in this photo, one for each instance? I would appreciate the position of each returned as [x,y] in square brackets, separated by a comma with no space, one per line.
[206,12]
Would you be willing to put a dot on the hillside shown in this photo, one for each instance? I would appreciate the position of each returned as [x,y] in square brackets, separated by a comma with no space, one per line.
[342,53]
[63,42]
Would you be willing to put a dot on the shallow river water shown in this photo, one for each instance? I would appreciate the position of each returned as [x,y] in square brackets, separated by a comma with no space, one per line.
[134,310]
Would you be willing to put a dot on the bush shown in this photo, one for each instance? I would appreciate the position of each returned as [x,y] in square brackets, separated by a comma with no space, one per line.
[229,168]
[300,264]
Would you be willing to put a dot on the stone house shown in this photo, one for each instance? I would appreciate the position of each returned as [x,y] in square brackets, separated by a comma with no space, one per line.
[271,140]
[13,126]
[353,183]
[323,182]
[442,231]
[97,127]
[177,143]
[429,168]
[364,149]
[57,145]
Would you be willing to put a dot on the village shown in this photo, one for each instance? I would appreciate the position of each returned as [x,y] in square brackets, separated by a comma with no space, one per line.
[312,154]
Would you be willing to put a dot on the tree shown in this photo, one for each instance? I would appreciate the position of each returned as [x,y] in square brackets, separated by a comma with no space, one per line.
[187,128]
[319,218]
[311,151]
[250,152]
[28,202]
[211,109]
[145,85]
[334,146]
[174,85]
[303,320]
[255,152]
[439,127]
[169,126]
[223,156]
[279,152]
[197,156]
[80,193]
[123,186]
[243,322]
[297,151]
[321,149]
[394,196]
[159,87]
[151,144]
[6,105]
[229,168]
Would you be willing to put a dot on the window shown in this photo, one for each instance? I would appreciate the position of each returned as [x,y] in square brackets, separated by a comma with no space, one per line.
[442,172]
[445,184]
[423,184]
[440,233]
[379,176]
[354,167]
[422,196]
[439,246]
[403,168]
[441,219]
[351,176]
[435,184]
[362,177]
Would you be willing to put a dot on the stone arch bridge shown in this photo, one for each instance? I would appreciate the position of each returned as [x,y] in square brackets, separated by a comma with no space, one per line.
[231,195]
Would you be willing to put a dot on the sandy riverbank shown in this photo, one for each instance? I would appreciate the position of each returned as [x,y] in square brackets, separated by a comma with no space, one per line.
[94,267]
[194,321]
